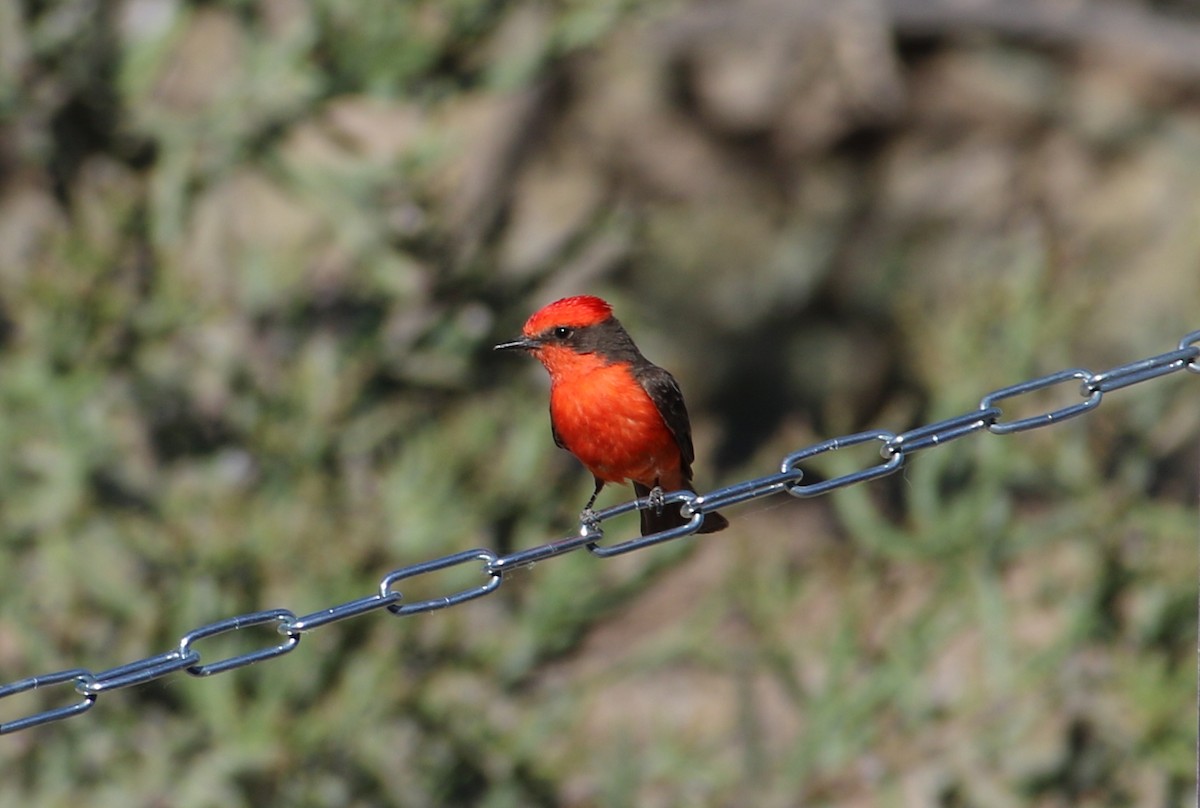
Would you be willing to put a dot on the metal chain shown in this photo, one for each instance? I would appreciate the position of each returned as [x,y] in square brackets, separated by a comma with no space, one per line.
[894,449]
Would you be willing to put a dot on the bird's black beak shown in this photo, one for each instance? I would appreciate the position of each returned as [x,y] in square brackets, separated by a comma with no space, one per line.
[524,344]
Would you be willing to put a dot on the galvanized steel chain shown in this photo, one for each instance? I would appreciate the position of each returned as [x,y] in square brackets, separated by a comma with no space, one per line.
[894,450]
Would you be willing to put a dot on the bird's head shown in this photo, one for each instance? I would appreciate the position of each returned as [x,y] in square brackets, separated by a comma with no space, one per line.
[570,333]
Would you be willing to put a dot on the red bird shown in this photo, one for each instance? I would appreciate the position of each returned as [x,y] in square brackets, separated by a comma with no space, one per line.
[621,415]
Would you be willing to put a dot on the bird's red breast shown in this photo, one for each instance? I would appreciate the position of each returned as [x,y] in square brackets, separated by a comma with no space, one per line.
[604,417]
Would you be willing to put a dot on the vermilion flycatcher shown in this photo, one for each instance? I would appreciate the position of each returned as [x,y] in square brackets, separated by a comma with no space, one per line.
[622,416]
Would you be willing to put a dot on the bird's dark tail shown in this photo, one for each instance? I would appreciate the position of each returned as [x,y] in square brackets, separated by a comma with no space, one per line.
[671,517]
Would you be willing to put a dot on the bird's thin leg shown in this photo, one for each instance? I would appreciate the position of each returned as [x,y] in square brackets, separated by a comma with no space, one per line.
[587,516]
[657,498]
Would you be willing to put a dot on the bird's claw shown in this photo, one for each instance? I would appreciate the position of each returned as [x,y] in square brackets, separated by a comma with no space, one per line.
[657,499]
[588,519]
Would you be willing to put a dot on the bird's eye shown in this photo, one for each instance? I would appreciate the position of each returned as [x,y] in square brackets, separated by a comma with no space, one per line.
[562,332]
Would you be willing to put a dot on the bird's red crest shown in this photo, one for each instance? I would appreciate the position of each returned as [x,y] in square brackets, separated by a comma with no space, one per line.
[579,311]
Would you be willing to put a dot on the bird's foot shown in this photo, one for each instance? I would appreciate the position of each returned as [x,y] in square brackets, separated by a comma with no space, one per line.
[657,499]
[588,519]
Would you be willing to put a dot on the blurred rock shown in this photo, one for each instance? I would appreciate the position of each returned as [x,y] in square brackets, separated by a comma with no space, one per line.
[483,138]
[383,133]
[250,241]
[144,20]
[553,200]
[624,112]
[204,64]
[29,218]
[1006,93]
[802,73]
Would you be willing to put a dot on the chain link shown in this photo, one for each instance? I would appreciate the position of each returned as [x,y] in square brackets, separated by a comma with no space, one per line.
[895,450]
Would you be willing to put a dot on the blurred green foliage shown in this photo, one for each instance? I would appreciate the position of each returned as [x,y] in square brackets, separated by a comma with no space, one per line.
[253,256]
